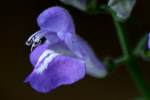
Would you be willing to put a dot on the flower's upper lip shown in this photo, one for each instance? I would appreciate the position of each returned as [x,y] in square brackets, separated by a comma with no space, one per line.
[56,19]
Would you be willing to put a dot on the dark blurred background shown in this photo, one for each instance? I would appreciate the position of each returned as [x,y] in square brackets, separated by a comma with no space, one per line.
[18,22]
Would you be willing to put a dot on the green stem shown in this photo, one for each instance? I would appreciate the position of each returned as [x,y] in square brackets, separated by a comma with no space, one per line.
[131,60]
[141,45]
[119,61]
[112,64]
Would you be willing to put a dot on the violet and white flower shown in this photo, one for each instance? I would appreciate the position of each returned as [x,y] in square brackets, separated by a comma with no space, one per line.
[64,57]
[123,8]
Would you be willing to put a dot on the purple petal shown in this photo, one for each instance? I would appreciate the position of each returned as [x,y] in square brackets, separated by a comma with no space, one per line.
[93,65]
[54,70]
[56,19]
[62,70]
[52,38]
[35,54]
[83,50]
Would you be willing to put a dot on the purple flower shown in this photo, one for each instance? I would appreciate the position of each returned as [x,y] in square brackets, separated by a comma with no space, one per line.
[64,57]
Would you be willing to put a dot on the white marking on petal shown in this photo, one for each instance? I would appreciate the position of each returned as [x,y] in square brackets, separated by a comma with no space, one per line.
[48,56]
[43,55]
